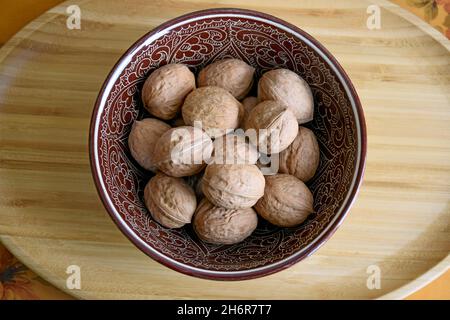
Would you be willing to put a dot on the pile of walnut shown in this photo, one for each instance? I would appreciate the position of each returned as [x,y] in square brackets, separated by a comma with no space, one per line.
[228,194]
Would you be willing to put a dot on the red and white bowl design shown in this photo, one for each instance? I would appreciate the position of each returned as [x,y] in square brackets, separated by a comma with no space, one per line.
[266,43]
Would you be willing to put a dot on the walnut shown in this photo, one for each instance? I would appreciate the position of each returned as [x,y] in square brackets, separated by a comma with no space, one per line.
[275,125]
[233,186]
[170,200]
[165,90]
[142,140]
[219,225]
[290,89]
[301,158]
[233,75]
[234,149]
[182,151]
[215,108]
[287,201]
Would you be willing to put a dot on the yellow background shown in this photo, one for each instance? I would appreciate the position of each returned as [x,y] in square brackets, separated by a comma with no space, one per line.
[26,285]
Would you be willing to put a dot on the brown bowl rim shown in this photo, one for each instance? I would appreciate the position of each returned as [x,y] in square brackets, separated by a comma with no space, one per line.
[251,273]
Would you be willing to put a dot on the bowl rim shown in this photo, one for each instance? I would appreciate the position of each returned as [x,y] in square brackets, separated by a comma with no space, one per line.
[273,267]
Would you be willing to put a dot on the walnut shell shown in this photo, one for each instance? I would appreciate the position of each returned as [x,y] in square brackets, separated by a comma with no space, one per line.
[301,158]
[165,90]
[233,75]
[170,200]
[233,149]
[233,186]
[290,89]
[182,151]
[287,201]
[142,140]
[248,103]
[215,108]
[275,125]
[223,226]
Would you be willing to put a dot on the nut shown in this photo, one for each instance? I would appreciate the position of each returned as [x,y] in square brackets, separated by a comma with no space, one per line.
[165,90]
[287,201]
[248,103]
[301,158]
[142,140]
[170,200]
[223,226]
[290,89]
[233,149]
[217,110]
[182,151]
[233,186]
[233,75]
[275,125]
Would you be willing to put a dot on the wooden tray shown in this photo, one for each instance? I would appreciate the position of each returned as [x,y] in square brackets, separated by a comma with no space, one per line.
[51,216]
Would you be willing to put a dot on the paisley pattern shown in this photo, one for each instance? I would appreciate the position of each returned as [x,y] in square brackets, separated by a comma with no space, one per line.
[434,12]
[265,47]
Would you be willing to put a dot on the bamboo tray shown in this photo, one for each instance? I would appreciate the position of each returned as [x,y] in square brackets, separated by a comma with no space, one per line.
[51,216]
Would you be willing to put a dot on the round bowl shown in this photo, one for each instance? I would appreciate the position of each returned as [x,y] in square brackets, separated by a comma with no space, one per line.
[266,43]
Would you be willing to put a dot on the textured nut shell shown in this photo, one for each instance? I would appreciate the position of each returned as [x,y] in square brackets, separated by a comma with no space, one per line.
[223,226]
[301,158]
[248,103]
[290,89]
[170,200]
[233,149]
[271,120]
[218,111]
[233,75]
[287,201]
[233,186]
[182,143]
[165,90]
[142,140]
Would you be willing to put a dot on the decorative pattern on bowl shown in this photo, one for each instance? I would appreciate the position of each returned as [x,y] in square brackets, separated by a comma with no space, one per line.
[266,43]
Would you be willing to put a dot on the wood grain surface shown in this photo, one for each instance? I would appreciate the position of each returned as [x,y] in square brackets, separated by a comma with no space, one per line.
[50,214]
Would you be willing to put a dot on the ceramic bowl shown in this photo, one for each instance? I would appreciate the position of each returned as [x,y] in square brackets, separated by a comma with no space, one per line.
[265,42]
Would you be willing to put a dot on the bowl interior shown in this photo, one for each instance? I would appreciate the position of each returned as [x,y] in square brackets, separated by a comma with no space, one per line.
[196,41]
